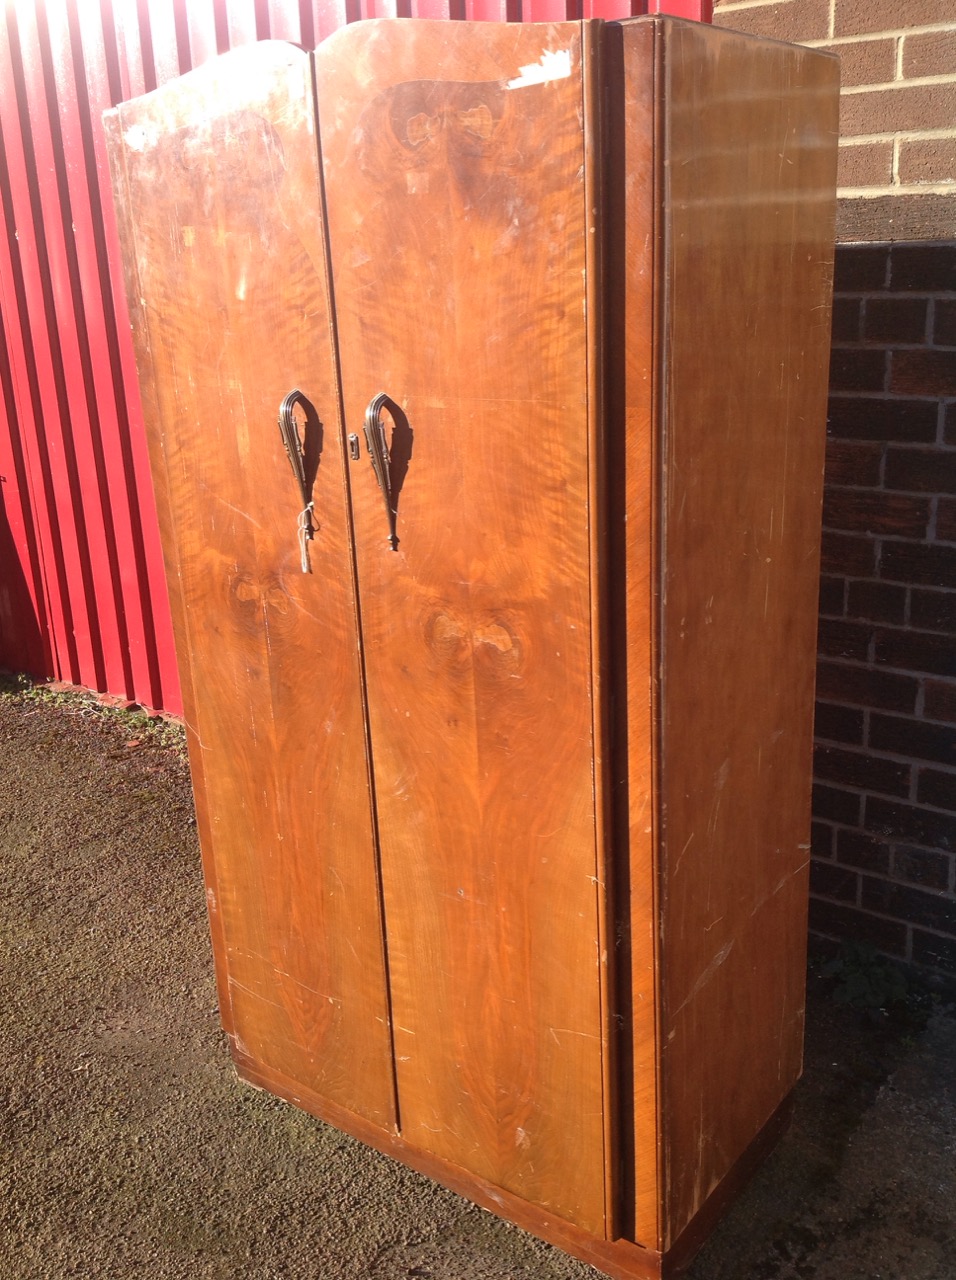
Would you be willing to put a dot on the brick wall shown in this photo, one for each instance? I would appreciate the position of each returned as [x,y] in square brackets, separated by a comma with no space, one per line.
[884,831]
[898,105]
[885,799]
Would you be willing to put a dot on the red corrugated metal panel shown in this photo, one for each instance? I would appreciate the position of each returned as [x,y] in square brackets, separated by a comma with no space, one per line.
[36,365]
[82,591]
[699,10]
[90,552]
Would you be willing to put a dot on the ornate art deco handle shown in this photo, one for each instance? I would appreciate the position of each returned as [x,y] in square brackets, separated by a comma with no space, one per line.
[381,459]
[296,450]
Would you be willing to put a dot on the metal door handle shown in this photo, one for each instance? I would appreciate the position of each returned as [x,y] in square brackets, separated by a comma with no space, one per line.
[381,459]
[295,449]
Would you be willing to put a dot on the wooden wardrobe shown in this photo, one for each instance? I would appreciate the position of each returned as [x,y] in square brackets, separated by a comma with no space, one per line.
[501,745]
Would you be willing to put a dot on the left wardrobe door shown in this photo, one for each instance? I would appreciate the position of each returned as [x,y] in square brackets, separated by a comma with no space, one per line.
[218,200]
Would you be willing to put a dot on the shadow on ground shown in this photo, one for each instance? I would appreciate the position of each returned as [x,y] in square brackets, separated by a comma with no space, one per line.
[128,1148]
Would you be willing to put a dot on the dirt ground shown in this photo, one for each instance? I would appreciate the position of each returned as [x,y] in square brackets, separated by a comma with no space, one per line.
[128,1147]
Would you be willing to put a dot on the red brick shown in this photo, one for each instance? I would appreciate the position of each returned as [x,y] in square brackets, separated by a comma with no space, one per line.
[846,320]
[946,520]
[855,849]
[922,372]
[859,17]
[944,323]
[913,738]
[949,424]
[895,320]
[896,820]
[793,20]
[857,369]
[860,268]
[836,920]
[926,564]
[931,910]
[869,511]
[853,464]
[838,639]
[933,951]
[832,592]
[837,805]
[934,611]
[910,107]
[931,53]
[937,788]
[838,724]
[866,686]
[940,700]
[927,160]
[828,881]
[845,555]
[921,651]
[924,268]
[926,867]
[877,601]
[865,164]
[924,216]
[921,470]
[879,418]
[821,839]
[866,61]
[858,769]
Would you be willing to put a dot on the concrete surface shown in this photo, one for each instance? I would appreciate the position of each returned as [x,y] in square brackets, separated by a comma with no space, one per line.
[128,1148]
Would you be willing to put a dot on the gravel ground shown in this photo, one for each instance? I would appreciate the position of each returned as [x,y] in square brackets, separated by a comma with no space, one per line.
[128,1147]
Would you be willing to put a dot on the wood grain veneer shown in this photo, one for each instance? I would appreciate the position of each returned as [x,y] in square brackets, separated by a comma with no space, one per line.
[746,269]
[227,278]
[458,230]
[504,819]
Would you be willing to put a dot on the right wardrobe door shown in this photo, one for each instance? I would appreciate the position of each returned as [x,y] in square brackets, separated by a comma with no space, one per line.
[457,161]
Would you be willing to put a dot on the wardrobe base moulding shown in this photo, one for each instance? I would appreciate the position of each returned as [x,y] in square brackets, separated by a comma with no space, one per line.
[619,1259]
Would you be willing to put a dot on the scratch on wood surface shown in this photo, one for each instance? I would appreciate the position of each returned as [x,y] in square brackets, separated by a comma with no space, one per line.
[238,986]
[241,1047]
[238,510]
[297,604]
[568,1031]
[193,729]
[682,852]
[460,896]
[720,781]
[283,973]
[639,814]
[785,880]
[548,835]
[706,976]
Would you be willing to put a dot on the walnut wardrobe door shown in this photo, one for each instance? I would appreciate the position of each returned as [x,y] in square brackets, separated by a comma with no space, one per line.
[455,164]
[219,202]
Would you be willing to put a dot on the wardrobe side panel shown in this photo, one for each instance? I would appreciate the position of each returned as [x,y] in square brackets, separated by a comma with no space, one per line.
[750,153]
[149,401]
[455,161]
[218,197]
